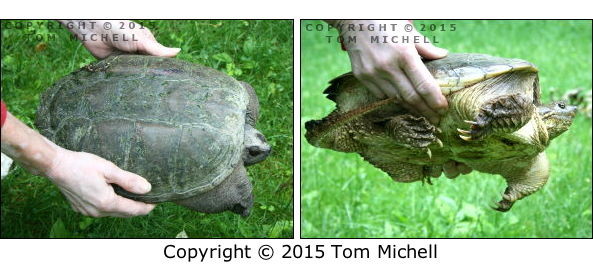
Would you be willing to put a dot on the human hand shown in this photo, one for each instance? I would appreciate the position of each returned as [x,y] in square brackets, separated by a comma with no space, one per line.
[84,180]
[389,69]
[102,37]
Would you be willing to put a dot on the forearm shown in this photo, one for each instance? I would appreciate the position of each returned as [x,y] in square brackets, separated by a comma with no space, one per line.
[27,146]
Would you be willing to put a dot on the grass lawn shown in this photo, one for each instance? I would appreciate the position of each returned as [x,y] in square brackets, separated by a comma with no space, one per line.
[344,196]
[258,52]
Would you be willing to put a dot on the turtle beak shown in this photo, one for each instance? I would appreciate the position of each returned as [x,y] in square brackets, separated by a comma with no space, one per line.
[572,111]
[257,153]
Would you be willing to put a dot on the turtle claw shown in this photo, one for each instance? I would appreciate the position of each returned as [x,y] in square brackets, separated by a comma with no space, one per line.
[465,135]
[461,131]
[476,132]
[429,153]
[413,132]
[466,138]
[439,142]
[502,206]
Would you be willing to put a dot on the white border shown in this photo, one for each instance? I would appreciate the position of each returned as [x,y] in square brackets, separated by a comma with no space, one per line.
[458,259]
[304,9]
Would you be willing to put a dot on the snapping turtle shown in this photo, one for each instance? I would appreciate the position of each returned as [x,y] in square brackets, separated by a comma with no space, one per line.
[495,124]
[186,128]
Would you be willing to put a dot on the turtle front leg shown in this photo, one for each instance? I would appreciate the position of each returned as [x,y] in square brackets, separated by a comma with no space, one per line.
[413,132]
[503,114]
[524,183]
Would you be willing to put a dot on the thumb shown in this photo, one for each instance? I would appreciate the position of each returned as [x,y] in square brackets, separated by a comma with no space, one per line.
[429,51]
[155,48]
[127,180]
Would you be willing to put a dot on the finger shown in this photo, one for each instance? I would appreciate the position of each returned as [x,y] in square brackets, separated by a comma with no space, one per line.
[374,89]
[126,215]
[146,31]
[386,87]
[85,213]
[424,84]
[462,168]
[410,96]
[127,180]
[96,213]
[127,207]
[450,169]
[430,51]
[91,211]
[389,79]
[77,208]
[118,215]
[152,47]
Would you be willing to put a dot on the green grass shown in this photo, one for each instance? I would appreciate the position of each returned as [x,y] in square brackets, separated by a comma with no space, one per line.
[344,196]
[258,52]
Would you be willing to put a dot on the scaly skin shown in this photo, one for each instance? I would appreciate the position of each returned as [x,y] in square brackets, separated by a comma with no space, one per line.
[524,181]
[504,129]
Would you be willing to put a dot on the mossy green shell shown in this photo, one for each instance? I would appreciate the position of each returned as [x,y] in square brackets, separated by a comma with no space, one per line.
[177,124]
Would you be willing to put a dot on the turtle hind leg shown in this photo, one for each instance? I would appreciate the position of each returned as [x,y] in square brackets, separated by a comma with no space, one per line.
[525,182]
[413,132]
[513,193]
[503,114]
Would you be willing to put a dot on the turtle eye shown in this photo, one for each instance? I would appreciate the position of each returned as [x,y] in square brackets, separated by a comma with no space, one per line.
[561,105]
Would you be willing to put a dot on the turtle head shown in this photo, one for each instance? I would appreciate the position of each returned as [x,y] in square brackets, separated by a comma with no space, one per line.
[557,116]
[256,147]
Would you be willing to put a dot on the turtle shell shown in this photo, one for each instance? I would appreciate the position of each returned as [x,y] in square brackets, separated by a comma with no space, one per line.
[177,124]
[461,70]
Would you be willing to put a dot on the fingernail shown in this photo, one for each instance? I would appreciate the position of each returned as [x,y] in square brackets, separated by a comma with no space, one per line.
[146,187]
